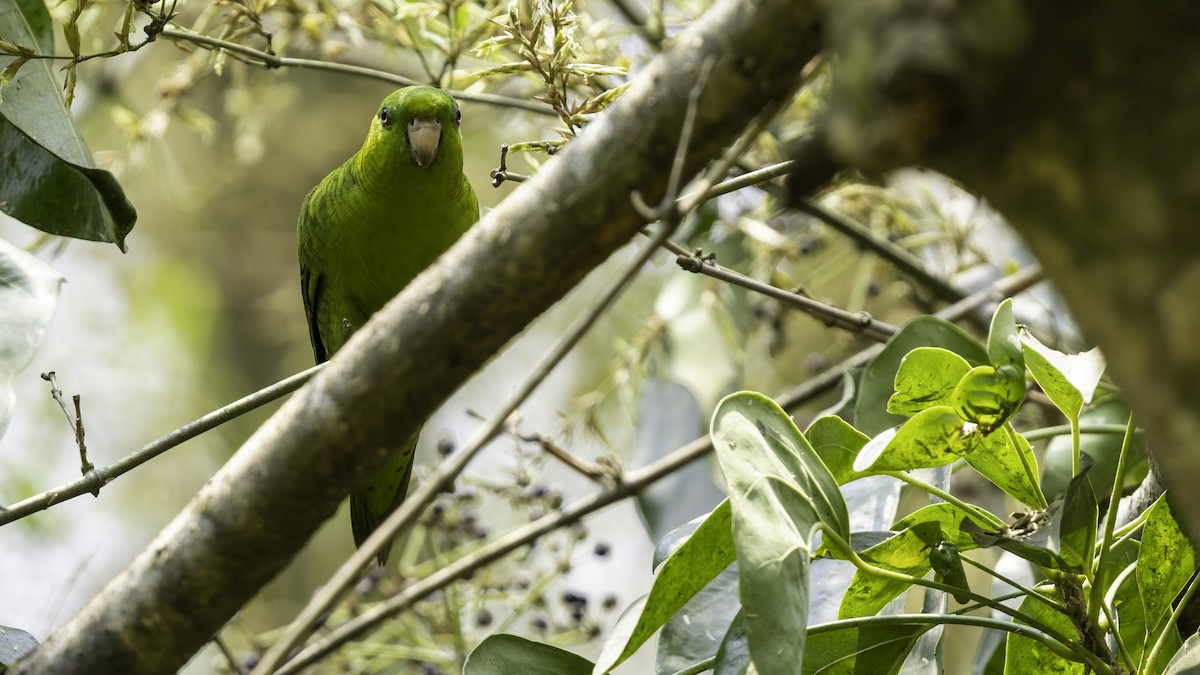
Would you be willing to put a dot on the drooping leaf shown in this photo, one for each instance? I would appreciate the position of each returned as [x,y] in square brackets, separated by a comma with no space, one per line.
[927,378]
[1069,380]
[837,444]
[1165,563]
[876,385]
[50,181]
[1077,529]
[947,516]
[780,491]
[28,295]
[690,567]
[1024,655]
[907,552]
[1004,342]
[996,458]
[947,565]
[504,654]
[1038,555]
[989,396]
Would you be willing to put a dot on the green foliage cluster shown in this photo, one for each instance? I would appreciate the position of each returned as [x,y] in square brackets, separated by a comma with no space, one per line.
[1107,599]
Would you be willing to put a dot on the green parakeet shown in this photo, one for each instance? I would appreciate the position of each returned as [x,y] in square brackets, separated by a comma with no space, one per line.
[368,229]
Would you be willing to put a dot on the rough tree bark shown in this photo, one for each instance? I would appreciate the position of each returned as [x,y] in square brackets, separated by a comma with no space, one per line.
[257,512]
[1080,122]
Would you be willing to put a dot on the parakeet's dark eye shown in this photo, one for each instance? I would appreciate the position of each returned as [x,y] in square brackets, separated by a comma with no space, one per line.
[457,116]
[384,118]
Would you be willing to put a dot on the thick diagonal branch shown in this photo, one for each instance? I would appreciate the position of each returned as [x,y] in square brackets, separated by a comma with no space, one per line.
[261,508]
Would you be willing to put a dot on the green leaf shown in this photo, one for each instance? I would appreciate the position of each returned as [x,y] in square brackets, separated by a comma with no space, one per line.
[837,444]
[733,658]
[694,633]
[1069,380]
[1136,634]
[877,649]
[50,181]
[927,377]
[947,517]
[876,386]
[28,295]
[988,396]
[907,552]
[1038,555]
[504,654]
[14,645]
[1023,655]
[997,459]
[932,437]
[1077,529]
[1165,563]
[37,19]
[780,490]
[947,565]
[1004,342]
[1187,659]
[689,568]
[1102,449]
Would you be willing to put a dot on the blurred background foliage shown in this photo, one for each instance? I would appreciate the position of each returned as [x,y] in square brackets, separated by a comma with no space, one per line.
[216,151]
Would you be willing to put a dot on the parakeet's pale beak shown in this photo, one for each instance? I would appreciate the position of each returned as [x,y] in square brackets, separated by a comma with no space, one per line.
[424,136]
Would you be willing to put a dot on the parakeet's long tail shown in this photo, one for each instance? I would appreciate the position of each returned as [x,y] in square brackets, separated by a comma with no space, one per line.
[383,493]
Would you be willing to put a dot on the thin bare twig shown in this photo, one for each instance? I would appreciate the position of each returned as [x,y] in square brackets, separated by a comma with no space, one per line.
[444,474]
[97,479]
[633,483]
[76,422]
[270,60]
[230,659]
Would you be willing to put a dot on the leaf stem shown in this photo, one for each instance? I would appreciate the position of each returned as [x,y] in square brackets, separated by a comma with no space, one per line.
[1096,598]
[1063,646]
[980,513]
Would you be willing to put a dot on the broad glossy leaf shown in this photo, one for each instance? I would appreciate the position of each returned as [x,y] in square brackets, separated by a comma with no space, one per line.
[1165,563]
[689,568]
[780,490]
[989,396]
[508,654]
[1187,659]
[933,437]
[694,633]
[1077,529]
[1136,634]
[837,444]
[947,565]
[947,516]
[50,181]
[1069,380]
[1023,656]
[28,295]
[927,378]
[907,552]
[733,658]
[876,385]
[14,644]
[1004,342]
[877,649]
[997,459]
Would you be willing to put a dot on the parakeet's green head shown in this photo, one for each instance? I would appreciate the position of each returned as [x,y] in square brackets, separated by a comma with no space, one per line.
[418,127]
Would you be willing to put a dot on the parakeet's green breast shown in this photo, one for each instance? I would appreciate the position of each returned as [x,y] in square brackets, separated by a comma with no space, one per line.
[368,229]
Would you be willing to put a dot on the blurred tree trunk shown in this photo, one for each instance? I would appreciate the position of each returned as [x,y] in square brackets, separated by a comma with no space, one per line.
[1080,122]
